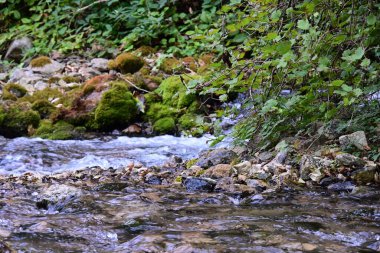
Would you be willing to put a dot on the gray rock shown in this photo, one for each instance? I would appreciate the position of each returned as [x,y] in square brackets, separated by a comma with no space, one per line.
[199,184]
[215,157]
[349,160]
[357,139]
[18,48]
[265,156]
[100,64]
[50,68]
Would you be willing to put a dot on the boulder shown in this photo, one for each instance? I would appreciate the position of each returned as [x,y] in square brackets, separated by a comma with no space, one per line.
[357,139]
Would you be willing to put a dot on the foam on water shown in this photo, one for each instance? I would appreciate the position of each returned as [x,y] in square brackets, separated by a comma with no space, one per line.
[46,156]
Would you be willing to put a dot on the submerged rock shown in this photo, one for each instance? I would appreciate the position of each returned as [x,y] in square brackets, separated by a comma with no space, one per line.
[199,184]
[342,186]
[57,195]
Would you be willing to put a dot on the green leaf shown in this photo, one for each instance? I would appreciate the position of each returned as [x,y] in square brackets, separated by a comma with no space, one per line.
[303,24]
[350,56]
[223,98]
[337,83]
[371,19]
[269,105]
[346,88]
[365,63]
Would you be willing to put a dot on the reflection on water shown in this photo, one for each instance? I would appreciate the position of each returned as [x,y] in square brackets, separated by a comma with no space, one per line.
[170,220]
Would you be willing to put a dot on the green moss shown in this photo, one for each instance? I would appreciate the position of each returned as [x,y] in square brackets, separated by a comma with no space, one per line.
[190,63]
[164,125]
[53,79]
[40,61]
[157,111]
[174,92]
[58,131]
[13,91]
[43,107]
[151,98]
[145,50]
[171,65]
[126,63]
[187,121]
[16,121]
[117,108]
[191,162]
[71,79]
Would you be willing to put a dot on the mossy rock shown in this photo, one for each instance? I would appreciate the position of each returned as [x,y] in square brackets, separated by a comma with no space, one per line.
[187,121]
[40,61]
[126,63]
[117,109]
[43,107]
[58,131]
[158,110]
[171,65]
[173,92]
[13,91]
[49,94]
[145,51]
[16,121]
[164,126]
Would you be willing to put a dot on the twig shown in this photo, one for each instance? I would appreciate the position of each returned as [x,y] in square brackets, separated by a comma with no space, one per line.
[90,5]
[129,82]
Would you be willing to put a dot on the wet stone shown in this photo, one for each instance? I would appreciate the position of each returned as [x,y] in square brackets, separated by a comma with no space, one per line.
[199,184]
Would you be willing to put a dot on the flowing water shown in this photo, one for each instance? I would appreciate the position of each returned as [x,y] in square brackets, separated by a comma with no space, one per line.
[132,218]
[45,156]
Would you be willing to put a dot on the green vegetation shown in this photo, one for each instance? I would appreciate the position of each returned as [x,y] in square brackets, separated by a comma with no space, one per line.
[325,53]
[301,63]
[75,25]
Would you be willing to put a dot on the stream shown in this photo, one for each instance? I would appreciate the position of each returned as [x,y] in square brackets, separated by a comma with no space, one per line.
[128,217]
